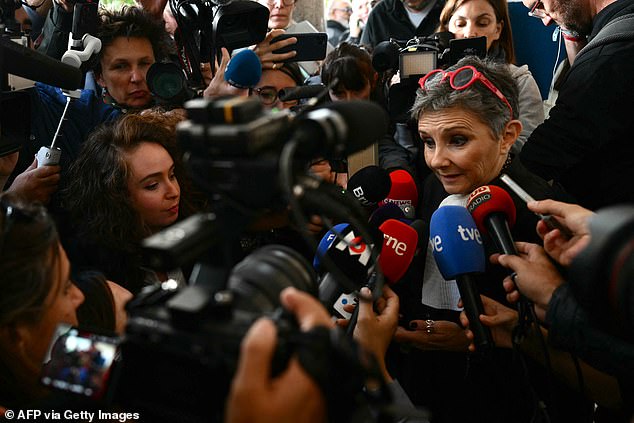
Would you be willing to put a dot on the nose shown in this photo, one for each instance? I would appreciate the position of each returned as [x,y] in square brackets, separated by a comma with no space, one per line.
[471,31]
[137,75]
[438,158]
[173,189]
[77,297]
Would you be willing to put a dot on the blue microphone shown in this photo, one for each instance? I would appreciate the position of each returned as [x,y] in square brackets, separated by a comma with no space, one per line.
[244,69]
[457,247]
[325,243]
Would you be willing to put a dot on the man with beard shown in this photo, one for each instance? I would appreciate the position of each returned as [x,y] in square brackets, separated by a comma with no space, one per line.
[586,144]
[401,20]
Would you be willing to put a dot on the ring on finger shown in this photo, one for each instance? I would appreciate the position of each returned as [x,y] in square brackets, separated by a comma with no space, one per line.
[514,277]
[429,326]
[274,66]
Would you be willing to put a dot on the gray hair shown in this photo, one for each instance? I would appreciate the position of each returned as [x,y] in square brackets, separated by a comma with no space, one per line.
[477,99]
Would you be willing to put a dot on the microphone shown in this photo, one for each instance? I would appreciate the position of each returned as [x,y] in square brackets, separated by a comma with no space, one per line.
[403,192]
[325,243]
[385,212]
[493,210]
[400,241]
[340,128]
[244,70]
[458,251]
[301,92]
[30,64]
[353,256]
[370,185]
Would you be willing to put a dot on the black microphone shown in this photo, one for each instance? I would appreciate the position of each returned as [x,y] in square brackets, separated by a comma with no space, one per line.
[301,92]
[30,64]
[340,128]
[493,210]
[85,18]
[353,256]
[370,185]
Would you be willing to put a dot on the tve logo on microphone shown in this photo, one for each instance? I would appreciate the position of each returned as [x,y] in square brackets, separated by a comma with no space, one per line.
[466,234]
[399,247]
[355,246]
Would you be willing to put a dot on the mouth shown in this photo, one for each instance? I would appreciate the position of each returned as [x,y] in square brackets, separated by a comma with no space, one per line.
[139,94]
[173,209]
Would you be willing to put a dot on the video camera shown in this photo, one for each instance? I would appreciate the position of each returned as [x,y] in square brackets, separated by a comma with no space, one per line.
[415,58]
[181,347]
[204,27]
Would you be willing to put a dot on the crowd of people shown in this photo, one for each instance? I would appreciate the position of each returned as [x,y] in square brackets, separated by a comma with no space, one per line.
[556,303]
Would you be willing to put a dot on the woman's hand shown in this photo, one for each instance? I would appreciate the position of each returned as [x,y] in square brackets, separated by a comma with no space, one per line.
[439,335]
[37,184]
[264,50]
[218,86]
[7,164]
[499,318]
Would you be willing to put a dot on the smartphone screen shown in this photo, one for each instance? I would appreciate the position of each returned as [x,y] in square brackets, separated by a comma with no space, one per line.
[80,362]
[309,46]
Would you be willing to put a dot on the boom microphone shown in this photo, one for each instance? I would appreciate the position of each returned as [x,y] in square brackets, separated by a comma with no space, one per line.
[30,64]
[340,128]
[370,185]
[494,212]
[244,70]
[457,248]
[301,92]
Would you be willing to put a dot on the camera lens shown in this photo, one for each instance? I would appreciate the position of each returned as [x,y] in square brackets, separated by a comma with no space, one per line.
[166,80]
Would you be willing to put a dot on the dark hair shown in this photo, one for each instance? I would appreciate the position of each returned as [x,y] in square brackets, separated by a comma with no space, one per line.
[351,65]
[97,312]
[132,22]
[97,196]
[29,251]
[293,70]
[477,99]
[505,42]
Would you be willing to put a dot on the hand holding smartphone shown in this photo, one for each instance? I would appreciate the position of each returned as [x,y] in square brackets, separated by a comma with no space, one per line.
[309,46]
[549,220]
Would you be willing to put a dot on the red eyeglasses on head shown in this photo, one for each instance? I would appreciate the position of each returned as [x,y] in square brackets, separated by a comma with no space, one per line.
[461,79]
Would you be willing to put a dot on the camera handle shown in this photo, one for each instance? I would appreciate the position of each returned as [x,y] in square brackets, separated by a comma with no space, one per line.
[75,58]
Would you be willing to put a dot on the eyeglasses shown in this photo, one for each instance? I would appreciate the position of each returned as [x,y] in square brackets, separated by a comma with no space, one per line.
[268,95]
[461,79]
[286,3]
[345,9]
[538,11]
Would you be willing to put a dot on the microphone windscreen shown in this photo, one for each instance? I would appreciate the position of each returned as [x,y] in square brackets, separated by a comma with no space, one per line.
[30,64]
[385,212]
[489,199]
[325,243]
[244,69]
[456,242]
[370,185]
[403,191]
[399,246]
[385,56]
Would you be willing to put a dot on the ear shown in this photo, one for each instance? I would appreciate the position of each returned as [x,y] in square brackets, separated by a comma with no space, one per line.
[17,336]
[498,32]
[100,80]
[512,131]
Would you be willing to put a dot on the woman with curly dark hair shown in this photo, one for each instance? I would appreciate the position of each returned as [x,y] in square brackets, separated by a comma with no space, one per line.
[126,184]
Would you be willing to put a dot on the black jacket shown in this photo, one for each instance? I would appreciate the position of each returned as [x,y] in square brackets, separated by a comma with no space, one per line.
[388,19]
[586,144]
[459,387]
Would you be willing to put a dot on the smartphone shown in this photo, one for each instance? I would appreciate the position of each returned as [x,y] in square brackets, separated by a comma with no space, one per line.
[309,46]
[549,220]
[80,362]
[15,121]
[462,47]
